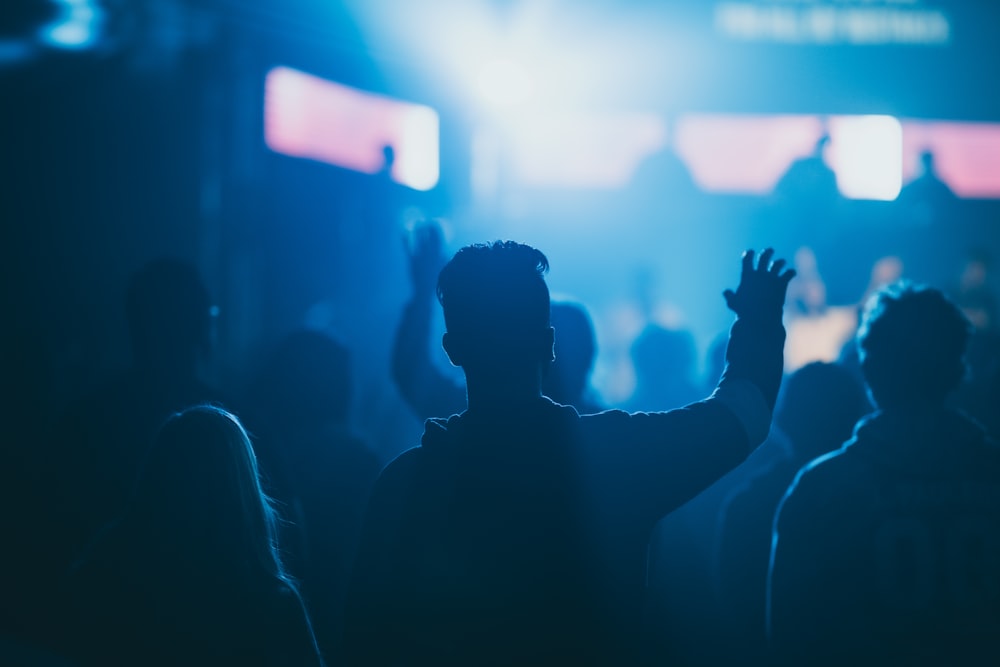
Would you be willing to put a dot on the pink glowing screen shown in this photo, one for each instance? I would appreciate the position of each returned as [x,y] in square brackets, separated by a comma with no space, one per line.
[309,117]
[749,153]
[966,155]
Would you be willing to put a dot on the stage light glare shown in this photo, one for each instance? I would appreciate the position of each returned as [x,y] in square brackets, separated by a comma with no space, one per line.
[69,35]
[867,156]
[77,28]
[504,83]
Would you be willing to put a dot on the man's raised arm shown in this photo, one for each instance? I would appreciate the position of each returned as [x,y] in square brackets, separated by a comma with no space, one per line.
[667,458]
[754,356]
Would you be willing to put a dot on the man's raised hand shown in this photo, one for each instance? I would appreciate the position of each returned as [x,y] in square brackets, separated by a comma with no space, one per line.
[761,292]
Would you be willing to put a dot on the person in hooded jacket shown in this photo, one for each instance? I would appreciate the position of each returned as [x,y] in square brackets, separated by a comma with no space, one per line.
[517,532]
[887,551]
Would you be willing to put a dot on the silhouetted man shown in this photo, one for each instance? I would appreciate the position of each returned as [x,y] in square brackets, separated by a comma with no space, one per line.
[887,551]
[517,532]
[809,176]
[809,201]
[927,187]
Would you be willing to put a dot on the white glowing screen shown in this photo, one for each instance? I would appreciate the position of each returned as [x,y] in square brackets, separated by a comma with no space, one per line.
[867,156]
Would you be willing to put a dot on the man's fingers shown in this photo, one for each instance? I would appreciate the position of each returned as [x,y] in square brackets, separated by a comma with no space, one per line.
[748,260]
[765,259]
[776,266]
[787,276]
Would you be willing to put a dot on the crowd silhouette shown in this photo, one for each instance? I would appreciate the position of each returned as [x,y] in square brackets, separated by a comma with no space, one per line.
[825,499]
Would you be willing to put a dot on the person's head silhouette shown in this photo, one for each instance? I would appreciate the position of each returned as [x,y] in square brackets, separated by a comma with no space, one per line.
[820,146]
[927,163]
[199,492]
[661,355]
[168,312]
[496,313]
[818,407]
[307,381]
[388,160]
[912,344]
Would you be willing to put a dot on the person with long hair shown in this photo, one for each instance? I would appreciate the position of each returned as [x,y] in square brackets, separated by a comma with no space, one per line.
[191,573]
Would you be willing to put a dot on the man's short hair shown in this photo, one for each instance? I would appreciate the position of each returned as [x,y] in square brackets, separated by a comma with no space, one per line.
[912,343]
[495,295]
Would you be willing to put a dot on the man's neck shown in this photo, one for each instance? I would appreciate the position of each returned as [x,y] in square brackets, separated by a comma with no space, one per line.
[502,393]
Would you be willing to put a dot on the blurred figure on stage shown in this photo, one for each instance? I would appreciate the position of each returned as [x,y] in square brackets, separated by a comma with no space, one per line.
[927,199]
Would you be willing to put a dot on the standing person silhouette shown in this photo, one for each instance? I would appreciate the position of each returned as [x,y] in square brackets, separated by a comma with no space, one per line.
[808,200]
[92,458]
[316,467]
[886,551]
[517,532]
[664,360]
[927,198]
[191,573]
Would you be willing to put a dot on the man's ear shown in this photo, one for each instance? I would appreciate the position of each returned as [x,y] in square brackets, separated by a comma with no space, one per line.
[453,348]
[549,342]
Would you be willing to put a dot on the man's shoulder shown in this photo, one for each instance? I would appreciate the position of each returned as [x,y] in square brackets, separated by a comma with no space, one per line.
[404,462]
[616,424]
[621,418]
[401,469]
[606,417]
[691,419]
[826,481]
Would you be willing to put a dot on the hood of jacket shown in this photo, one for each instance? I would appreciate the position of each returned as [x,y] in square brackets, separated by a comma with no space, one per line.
[522,425]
